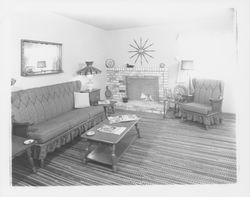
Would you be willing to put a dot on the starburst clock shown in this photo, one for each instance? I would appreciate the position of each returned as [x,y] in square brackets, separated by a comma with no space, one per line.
[141,50]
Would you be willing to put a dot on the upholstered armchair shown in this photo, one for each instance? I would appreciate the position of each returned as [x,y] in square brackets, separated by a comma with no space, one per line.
[204,105]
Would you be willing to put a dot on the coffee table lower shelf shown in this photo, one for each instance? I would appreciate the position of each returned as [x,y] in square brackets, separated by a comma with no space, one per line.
[103,152]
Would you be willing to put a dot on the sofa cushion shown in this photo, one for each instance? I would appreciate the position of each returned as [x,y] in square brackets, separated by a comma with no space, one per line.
[42,132]
[77,116]
[81,100]
[94,110]
[41,104]
[197,107]
[47,130]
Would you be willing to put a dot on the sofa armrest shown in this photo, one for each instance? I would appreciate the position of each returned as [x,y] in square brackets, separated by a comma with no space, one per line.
[20,129]
[188,98]
[216,104]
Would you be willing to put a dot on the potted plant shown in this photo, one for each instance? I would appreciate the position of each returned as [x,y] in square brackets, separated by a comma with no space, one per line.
[125,99]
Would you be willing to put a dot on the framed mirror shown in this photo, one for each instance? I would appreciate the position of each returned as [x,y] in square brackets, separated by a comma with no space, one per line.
[40,58]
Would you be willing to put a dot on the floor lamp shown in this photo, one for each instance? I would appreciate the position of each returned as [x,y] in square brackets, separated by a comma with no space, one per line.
[188,66]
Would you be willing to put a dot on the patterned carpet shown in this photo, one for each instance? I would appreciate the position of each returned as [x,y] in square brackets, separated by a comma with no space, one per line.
[169,152]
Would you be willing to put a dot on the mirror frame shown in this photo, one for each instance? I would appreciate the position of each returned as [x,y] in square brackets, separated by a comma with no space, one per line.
[27,70]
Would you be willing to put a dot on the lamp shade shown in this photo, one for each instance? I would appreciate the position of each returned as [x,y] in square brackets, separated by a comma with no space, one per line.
[89,69]
[187,65]
[13,81]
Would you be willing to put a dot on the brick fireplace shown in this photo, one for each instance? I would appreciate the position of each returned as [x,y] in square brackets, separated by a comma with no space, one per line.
[142,88]
[149,81]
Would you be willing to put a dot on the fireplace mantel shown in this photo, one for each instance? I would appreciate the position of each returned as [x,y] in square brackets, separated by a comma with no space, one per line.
[136,69]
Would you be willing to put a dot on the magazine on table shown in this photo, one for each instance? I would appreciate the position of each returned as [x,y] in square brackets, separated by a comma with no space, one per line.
[122,118]
[111,129]
[103,102]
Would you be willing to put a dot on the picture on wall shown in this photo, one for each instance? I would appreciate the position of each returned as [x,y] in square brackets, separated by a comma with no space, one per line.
[40,58]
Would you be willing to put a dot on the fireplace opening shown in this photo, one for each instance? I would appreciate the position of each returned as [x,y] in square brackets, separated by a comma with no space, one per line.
[144,88]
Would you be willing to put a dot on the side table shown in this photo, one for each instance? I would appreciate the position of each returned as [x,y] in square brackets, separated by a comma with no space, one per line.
[176,102]
[109,108]
[166,106]
[18,148]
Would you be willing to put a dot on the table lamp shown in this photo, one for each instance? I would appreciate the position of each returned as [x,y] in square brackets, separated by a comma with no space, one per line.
[89,71]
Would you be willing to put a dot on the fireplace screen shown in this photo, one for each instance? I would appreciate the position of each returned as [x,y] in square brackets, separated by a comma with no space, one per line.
[143,88]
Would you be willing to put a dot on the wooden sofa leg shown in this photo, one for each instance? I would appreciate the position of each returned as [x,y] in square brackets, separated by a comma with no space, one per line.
[42,163]
[220,120]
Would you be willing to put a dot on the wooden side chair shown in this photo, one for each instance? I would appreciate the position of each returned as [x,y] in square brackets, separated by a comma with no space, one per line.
[205,103]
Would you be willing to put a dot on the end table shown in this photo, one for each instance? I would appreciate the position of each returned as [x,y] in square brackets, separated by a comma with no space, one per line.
[18,148]
[166,105]
[109,108]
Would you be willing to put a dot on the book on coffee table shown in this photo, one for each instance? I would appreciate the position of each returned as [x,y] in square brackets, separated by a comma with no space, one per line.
[122,118]
[111,129]
[104,102]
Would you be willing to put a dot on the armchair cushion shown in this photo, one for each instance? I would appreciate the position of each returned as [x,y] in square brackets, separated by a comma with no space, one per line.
[197,107]
[205,89]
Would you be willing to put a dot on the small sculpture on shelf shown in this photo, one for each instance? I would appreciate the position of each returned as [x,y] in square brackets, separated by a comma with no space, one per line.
[130,66]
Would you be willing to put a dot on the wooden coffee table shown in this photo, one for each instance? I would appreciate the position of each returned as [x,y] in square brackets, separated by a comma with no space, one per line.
[110,146]
[18,148]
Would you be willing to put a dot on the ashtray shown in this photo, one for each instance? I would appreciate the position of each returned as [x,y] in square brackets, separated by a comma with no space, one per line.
[29,141]
[89,133]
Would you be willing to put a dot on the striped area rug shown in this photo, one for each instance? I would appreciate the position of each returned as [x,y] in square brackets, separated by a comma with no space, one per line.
[169,152]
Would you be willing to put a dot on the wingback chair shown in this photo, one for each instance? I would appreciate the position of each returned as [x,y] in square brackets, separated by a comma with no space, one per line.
[204,105]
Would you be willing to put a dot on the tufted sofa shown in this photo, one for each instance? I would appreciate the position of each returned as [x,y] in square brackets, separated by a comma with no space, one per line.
[47,114]
[205,104]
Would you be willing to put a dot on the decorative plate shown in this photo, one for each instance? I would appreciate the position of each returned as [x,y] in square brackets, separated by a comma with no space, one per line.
[29,141]
[89,133]
[162,65]
[110,63]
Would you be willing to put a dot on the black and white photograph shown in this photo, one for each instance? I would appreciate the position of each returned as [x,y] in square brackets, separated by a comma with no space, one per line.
[127,97]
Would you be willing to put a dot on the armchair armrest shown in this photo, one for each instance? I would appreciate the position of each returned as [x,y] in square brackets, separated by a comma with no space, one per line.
[215,100]
[20,129]
[216,104]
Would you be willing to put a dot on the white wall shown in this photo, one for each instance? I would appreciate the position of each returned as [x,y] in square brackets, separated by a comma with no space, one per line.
[214,55]
[80,43]
[213,49]
[211,45]
[163,39]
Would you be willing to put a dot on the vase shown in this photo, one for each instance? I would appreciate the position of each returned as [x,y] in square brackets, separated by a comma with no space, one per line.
[124,99]
[108,93]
